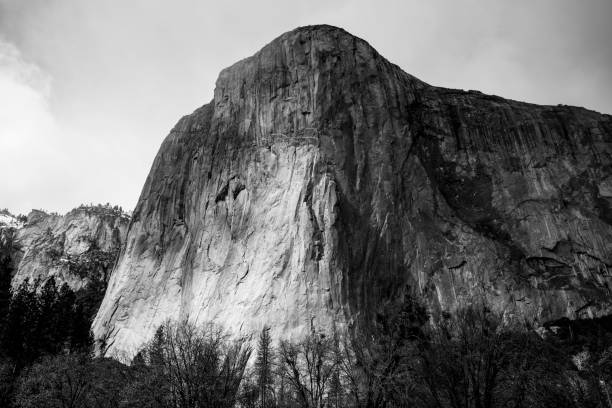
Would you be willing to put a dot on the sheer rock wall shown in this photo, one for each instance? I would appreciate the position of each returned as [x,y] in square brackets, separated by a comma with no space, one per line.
[322,184]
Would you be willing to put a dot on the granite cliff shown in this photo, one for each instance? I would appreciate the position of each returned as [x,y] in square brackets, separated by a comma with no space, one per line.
[323,183]
[78,248]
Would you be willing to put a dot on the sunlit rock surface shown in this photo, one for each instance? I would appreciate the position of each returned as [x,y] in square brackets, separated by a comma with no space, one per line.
[76,248]
[323,183]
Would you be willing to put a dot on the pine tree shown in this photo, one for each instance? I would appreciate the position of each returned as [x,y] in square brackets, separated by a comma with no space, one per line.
[156,348]
[5,293]
[335,396]
[80,334]
[263,368]
[47,318]
[20,334]
[65,312]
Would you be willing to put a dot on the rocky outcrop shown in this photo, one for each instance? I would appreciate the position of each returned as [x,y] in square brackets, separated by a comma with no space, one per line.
[78,248]
[322,184]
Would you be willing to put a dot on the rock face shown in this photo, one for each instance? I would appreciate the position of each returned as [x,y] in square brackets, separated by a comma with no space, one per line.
[77,248]
[322,184]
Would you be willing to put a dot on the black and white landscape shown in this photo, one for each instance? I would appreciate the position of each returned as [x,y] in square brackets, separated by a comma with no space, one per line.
[328,230]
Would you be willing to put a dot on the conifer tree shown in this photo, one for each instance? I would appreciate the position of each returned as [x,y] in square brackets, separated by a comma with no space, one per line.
[20,335]
[46,340]
[335,396]
[80,335]
[156,349]
[5,292]
[65,311]
[263,368]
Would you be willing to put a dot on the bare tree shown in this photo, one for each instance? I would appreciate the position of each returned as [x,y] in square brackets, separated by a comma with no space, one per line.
[249,394]
[62,381]
[375,363]
[307,367]
[201,366]
[376,371]
[478,360]
[263,369]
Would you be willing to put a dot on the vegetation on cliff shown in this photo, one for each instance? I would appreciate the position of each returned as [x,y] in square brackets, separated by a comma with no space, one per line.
[474,360]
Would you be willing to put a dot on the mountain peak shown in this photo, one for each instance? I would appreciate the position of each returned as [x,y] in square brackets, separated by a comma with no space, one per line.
[323,185]
[299,79]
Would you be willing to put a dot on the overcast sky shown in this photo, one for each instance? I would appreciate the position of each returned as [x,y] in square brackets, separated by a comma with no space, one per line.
[89,89]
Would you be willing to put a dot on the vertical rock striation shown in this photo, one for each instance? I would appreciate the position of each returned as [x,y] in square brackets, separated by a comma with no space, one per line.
[323,183]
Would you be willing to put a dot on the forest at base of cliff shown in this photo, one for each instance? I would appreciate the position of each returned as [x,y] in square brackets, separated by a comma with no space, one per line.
[475,359]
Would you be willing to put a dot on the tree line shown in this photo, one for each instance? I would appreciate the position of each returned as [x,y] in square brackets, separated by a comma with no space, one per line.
[472,359]
[38,320]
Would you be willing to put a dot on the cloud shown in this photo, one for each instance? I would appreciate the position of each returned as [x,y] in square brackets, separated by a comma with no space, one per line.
[24,93]
[45,160]
[87,94]
[28,130]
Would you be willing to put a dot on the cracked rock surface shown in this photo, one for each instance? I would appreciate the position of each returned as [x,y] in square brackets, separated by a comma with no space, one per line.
[323,183]
[77,248]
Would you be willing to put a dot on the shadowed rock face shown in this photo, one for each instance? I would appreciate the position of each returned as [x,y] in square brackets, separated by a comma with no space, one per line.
[78,248]
[323,183]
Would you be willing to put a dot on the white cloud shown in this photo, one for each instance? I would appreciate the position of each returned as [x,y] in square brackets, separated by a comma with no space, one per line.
[83,124]
[29,152]
[24,92]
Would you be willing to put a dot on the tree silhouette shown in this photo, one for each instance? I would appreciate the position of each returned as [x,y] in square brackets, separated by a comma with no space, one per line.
[263,368]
